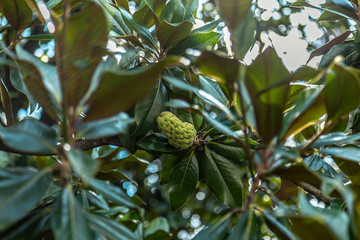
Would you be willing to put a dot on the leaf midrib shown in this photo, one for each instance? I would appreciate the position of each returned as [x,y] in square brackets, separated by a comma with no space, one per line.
[217,169]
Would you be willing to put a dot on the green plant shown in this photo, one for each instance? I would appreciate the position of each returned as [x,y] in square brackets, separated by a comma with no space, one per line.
[257,135]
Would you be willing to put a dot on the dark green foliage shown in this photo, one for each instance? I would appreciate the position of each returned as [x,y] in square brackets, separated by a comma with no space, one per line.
[143,125]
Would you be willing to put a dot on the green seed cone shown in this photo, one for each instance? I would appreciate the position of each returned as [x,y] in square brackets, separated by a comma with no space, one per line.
[179,134]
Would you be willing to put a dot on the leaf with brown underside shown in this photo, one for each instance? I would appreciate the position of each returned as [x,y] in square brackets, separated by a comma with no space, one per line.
[267,81]
[324,49]
[286,190]
[6,103]
[33,81]
[33,5]
[119,91]
[234,11]
[81,41]
[18,13]
[123,3]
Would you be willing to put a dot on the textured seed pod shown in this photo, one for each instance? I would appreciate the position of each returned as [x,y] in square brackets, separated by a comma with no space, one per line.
[179,134]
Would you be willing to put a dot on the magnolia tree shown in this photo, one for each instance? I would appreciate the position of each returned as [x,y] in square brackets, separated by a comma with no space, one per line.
[277,152]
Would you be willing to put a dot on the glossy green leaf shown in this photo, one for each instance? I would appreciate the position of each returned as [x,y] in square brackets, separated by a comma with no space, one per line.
[175,83]
[169,34]
[336,220]
[211,64]
[223,178]
[109,228]
[330,16]
[112,211]
[97,200]
[83,164]
[39,37]
[346,5]
[221,120]
[307,74]
[113,193]
[18,13]
[245,35]
[123,3]
[147,110]
[213,88]
[336,138]
[342,92]
[350,168]
[189,116]
[146,16]
[48,73]
[311,229]
[120,91]
[346,50]
[197,119]
[215,231]
[170,161]
[314,162]
[207,27]
[230,152]
[220,127]
[348,153]
[79,52]
[67,220]
[335,12]
[177,103]
[207,97]
[156,142]
[118,124]
[115,18]
[112,176]
[30,136]
[42,82]
[18,83]
[324,49]
[149,12]
[234,12]
[301,3]
[6,103]
[30,226]
[159,224]
[183,180]
[129,58]
[277,227]
[35,8]
[138,27]
[246,227]
[309,107]
[4,27]
[269,104]
[173,12]
[198,40]
[17,185]
[191,7]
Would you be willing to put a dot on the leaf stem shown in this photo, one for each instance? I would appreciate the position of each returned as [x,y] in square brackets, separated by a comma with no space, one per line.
[247,145]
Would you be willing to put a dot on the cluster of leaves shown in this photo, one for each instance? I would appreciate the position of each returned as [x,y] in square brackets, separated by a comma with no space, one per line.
[257,125]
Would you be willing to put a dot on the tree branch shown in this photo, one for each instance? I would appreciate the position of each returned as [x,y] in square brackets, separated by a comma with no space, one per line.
[87,144]
[316,192]
[83,144]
